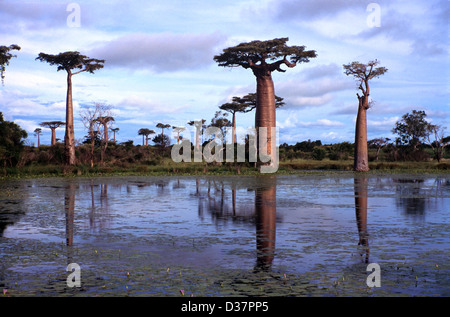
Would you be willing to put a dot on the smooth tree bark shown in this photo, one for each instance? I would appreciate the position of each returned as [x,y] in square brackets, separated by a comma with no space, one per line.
[363,73]
[52,125]
[263,58]
[70,61]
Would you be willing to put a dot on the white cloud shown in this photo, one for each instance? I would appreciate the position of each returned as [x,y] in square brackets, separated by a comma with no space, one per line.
[322,123]
[161,52]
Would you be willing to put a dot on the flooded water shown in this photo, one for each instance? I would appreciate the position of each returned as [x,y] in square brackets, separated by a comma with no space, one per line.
[296,235]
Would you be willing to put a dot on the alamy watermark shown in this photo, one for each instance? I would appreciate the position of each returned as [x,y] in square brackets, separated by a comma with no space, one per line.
[374,278]
[74,278]
[374,18]
[262,146]
[74,18]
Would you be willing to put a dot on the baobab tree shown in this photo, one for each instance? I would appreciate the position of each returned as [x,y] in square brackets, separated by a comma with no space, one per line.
[163,126]
[243,105]
[89,116]
[178,130]
[114,130]
[5,57]
[145,132]
[106,122]
[199,126]
[37,133]
[263,58]
[70,61]
[362,73]
[52,125]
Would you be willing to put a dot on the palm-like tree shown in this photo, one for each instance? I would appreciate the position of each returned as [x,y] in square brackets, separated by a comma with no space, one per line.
[37,133]
[105,121]
[114,130]
[178,130]
[52,125]
[199,125]
[145,133]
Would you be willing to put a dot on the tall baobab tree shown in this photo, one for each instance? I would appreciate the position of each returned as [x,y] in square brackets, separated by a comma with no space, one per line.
[70,61]
[37,133]
[362,73]
[52,125]
[114,131]
[5,56]
[263,58]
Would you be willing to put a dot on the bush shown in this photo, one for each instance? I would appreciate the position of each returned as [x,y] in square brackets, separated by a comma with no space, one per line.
[318,154]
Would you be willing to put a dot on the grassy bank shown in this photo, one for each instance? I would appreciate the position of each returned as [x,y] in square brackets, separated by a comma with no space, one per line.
[169,168]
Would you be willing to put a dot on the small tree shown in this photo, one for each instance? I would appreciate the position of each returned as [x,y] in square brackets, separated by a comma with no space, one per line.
[379,143]
[145,133]
[5,57]
[70,61]
[412,129]
[37,133]
[114,131]
[11,143]
[163,140]
[178,130]
[363,73]
[199,126]
[52,125]
[89,116]
[437,141]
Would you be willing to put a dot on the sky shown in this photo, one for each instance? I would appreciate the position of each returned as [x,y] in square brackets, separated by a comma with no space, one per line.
[159,63]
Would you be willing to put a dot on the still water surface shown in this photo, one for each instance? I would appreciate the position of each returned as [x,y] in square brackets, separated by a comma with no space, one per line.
[216,236]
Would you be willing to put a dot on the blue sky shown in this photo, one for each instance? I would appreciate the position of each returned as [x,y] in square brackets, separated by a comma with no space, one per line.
[159,62]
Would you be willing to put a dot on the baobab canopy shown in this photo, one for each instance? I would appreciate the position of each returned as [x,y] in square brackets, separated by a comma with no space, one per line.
[256,54]
[72,60]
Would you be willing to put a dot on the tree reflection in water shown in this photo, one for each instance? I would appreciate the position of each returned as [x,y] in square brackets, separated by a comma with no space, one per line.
[360,185]
[265,218]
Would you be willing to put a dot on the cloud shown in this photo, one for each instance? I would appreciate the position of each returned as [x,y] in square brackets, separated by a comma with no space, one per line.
[138,107]
[162,52]
[313,87]
[322,123]
[312,9]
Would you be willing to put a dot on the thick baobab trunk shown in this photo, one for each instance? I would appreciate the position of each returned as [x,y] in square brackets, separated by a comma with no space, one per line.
[361,213]
[265,116]
[361,160]
[69,137]
[265,212]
